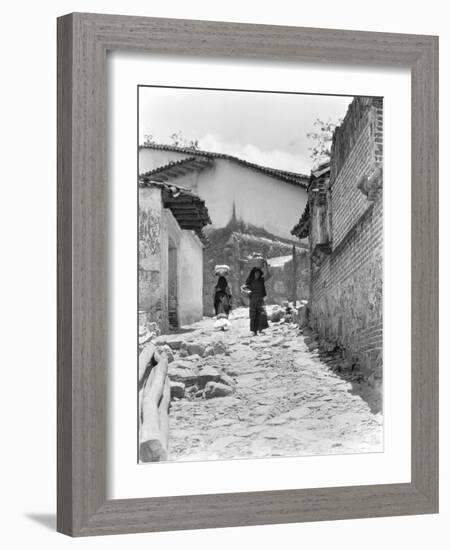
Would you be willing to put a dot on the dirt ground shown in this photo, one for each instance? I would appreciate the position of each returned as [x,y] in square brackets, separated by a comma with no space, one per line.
[286,400]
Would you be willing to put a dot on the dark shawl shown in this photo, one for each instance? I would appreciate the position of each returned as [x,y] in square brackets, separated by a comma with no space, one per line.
[256,286]
[222,291]
[222,284]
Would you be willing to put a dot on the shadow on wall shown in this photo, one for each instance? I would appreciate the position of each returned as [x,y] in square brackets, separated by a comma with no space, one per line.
[372,395]
[369,388]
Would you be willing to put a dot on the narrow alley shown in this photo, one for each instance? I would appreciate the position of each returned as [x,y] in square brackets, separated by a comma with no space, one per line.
[281,398]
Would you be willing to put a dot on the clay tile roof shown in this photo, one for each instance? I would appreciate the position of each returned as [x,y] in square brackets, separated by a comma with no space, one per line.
[321,170]
[178,168]
[301,229]
[293,178]
[187,208]
[317,186]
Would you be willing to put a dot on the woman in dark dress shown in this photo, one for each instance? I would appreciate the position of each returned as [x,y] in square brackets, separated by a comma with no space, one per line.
[255,284]
[222,297]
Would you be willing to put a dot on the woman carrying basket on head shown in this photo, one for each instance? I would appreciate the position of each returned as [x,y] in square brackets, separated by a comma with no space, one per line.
[222,297]
[255,287]
[222,293]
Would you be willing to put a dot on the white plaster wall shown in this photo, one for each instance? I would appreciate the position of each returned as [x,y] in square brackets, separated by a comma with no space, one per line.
[260,199]
[189,268]
[149,159]
[190,278]
[154,158]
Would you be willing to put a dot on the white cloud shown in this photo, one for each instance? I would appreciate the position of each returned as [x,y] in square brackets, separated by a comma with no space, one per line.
[273,158]
[265,128]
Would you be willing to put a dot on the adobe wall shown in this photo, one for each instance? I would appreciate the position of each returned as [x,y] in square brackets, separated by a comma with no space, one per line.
[152,244]
[157,226]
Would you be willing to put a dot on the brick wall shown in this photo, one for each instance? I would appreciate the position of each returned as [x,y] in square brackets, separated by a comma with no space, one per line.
[354,152]
[346,285]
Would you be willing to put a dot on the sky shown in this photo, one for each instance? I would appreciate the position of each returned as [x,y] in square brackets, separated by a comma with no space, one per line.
[264,128]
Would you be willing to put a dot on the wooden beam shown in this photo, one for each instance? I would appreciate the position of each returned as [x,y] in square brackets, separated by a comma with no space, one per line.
[154,428]
[178,201]
[192,227]
[181,207]
[145,358]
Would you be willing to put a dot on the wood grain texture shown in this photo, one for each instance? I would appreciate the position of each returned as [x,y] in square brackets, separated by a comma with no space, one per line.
[64,275]
[83,40]
[424,279]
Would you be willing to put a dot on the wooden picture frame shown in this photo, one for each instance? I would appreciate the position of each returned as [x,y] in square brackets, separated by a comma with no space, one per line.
[83,40]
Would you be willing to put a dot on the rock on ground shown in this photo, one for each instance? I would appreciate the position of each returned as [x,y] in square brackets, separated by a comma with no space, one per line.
[272,395]
[206,375]
[216,389]
[177,389]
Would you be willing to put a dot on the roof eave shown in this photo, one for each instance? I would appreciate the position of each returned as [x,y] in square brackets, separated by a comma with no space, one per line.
[300,180]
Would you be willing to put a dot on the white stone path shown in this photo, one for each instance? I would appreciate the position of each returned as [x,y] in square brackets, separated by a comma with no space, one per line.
[287,402]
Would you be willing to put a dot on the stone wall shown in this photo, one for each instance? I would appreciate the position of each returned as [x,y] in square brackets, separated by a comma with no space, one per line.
[152,290]
[346,283]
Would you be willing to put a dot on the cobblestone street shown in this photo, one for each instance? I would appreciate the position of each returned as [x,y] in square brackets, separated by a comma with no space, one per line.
[286,400]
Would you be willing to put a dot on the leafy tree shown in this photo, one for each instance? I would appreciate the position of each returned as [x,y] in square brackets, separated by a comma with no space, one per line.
[149,139]
[321,138]
[178,140]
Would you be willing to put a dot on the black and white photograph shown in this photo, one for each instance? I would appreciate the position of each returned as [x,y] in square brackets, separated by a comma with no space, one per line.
[221,285]
[260,274]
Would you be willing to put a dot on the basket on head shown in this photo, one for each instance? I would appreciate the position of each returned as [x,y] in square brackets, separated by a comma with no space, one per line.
[256,260]
[221,270]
